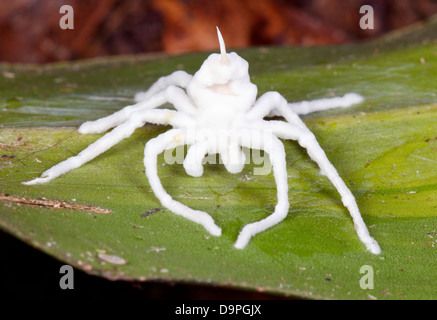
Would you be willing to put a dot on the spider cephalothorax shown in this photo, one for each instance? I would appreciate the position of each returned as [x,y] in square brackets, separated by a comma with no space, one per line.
[218,113]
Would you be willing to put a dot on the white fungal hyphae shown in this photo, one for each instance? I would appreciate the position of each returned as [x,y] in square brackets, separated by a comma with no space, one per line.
[216,112]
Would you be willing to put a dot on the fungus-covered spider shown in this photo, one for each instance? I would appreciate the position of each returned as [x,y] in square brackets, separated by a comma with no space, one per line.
[218,113]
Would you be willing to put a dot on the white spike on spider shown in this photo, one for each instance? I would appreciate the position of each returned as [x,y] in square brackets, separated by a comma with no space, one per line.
[219,104]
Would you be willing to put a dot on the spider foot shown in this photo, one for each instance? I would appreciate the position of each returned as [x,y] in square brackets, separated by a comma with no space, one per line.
[89,127]
[243,238]
[53,172]
[371,244]
[208,223]
[373,247]
[350,99]
[42,179]
[193,169]
[214,230]
[241,243]
[141,96]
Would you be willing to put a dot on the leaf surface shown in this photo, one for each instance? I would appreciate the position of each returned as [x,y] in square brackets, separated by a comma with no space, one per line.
[385,149]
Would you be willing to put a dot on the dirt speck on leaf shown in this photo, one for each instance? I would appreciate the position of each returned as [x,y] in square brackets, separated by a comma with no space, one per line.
[111,259]
[145,214]
[53,204]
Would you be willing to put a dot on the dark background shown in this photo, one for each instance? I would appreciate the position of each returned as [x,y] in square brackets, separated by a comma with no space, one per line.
[30,33]
[27,273]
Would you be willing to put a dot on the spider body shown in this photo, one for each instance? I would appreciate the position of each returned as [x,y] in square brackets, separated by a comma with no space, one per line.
[218,113]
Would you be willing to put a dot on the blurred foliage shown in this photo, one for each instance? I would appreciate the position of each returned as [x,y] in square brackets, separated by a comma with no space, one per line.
[30,32]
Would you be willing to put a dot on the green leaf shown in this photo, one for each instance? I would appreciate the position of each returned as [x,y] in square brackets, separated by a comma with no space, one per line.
[385,150]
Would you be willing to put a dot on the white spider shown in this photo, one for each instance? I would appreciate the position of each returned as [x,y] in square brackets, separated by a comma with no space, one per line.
[218,113]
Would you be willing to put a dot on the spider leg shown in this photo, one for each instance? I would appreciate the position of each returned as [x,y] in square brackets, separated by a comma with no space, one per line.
[153,148]
[307,140]
[232,156]
[273,104]
[193,160]
[306,107]
[268,103]
[110,139]
[172,94]
[178,78]
[274,147]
